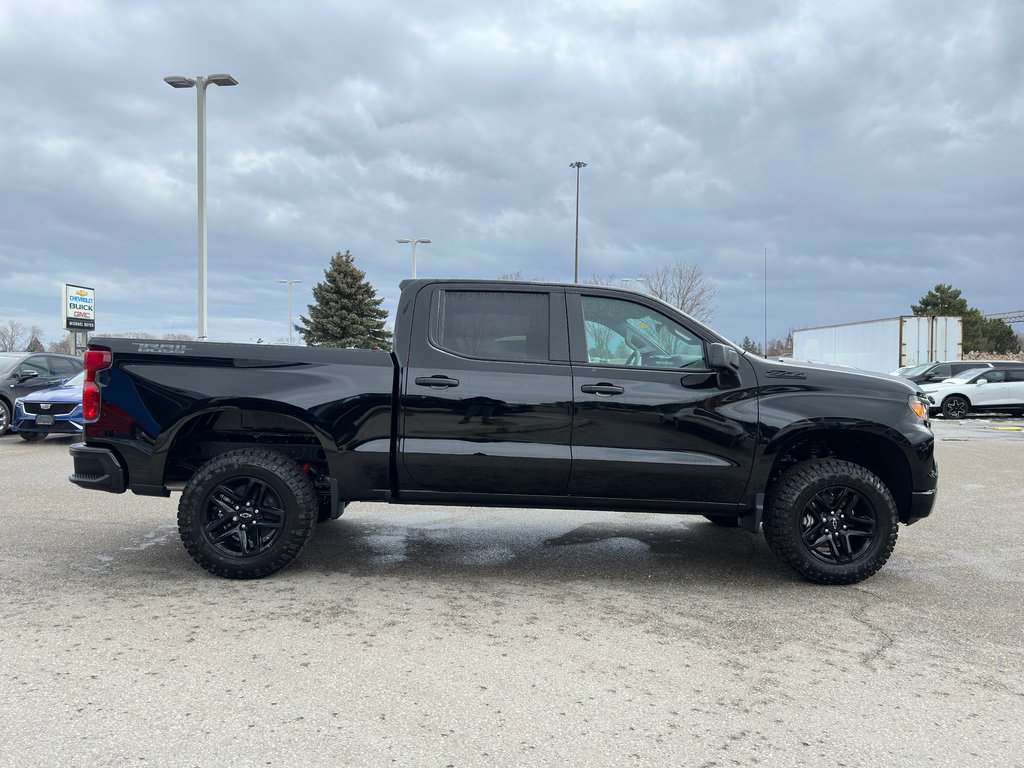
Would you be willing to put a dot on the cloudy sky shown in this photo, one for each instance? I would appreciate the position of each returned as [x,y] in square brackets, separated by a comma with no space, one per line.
[873,148]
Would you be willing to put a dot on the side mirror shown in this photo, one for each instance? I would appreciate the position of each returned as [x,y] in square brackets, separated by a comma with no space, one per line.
[26,375]
[981,381]
[723,357]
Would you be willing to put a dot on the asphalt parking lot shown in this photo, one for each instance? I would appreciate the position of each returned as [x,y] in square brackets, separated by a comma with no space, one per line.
[419,636]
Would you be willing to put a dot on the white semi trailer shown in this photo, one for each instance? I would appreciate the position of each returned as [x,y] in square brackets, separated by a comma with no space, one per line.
[883,345]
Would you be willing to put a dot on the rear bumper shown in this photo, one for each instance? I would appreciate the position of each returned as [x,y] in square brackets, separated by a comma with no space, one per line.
[97,469]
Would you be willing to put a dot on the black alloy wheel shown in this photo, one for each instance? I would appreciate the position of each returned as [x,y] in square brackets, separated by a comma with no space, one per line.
[5,416]
[832,521]
[838,525]
[955,407]
[247,513]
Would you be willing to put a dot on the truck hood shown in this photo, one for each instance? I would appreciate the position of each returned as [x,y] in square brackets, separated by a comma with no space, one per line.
[830,374]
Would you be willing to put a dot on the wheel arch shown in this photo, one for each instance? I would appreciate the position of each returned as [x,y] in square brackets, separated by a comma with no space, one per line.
[871,446]
[233,424]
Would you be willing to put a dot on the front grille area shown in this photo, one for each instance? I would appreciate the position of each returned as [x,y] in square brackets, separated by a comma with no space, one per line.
[55,409]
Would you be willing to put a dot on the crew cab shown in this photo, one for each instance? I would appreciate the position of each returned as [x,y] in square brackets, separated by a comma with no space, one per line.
[509,394]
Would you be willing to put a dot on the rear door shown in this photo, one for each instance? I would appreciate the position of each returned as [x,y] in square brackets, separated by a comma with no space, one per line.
[652,420]
[486,402]
[1015,387]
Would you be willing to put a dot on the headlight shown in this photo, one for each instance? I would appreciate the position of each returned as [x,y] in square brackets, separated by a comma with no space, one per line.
[919,406]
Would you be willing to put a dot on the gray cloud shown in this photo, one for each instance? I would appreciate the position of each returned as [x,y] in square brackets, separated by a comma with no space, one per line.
[873,148]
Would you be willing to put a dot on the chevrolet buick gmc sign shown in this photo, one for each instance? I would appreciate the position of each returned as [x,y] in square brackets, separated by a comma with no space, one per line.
[79,308]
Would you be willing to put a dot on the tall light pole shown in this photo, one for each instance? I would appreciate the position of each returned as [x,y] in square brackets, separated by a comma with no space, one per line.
[290,283]
[200,83]
[576,260]
[414,241]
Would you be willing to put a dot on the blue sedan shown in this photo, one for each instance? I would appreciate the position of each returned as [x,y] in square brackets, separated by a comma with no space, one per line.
[56,409]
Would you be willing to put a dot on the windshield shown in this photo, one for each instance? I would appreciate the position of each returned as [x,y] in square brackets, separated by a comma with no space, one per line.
[76,381]
[968,374]
[9,361]
[916,370]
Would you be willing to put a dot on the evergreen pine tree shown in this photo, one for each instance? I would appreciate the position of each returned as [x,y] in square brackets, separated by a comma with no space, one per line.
[347,311]
[980,334]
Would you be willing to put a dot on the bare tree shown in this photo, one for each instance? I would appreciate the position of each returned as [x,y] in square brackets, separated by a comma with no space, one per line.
[595,279]
[64,346]
[684,286]
[518,275]
[12,336]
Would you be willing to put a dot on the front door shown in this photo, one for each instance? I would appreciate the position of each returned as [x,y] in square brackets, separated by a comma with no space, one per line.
[652,421]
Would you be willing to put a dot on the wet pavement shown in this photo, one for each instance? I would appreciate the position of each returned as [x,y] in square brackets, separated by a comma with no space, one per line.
[424,636]
[978,427]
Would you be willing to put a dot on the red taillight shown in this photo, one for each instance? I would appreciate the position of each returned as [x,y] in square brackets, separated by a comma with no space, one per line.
[95,360]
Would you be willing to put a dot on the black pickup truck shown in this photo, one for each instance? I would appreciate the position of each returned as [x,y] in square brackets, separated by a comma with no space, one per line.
[506,394]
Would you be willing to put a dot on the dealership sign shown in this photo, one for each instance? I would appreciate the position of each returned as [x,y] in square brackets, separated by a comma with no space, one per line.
[79,308]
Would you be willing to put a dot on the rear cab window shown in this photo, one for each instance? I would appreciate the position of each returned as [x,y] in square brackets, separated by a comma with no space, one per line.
[494,325]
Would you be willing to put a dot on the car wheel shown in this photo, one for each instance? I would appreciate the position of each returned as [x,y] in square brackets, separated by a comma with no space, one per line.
[5,417]
[247,514]
[31,437]
[832,521]
[955,407]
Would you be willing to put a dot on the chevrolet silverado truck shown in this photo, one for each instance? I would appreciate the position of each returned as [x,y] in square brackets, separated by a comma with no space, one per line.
[508,394]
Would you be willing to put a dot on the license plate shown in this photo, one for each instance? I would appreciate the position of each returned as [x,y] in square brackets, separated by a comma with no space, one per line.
[44,421]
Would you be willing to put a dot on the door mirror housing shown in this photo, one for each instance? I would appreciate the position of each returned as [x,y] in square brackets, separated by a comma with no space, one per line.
[722,357]
[26,375]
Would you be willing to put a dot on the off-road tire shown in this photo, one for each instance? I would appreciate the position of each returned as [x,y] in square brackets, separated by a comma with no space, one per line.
[271,489]
[32,437]
[832,521]
[955,407]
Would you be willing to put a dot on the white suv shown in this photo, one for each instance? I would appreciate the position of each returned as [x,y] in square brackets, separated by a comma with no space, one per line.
[979,389]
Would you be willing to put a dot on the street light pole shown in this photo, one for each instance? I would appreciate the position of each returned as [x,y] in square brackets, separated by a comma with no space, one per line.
[201,83]
[290,283]
[576,260]
[414,241]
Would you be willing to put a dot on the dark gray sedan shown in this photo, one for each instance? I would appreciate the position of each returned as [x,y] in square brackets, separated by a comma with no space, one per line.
[22,373]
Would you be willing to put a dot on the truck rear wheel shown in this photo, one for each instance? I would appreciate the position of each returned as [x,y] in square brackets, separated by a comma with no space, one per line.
[832,521]
[247,513]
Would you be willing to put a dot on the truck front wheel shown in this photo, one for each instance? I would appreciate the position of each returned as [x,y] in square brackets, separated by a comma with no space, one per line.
[832,521]
[247,513]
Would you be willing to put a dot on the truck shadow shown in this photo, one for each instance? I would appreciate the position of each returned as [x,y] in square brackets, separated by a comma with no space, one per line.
[652,548]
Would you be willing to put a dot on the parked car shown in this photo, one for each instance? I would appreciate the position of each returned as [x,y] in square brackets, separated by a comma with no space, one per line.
[979,389]
[22,373]
[934,372]
[56,410]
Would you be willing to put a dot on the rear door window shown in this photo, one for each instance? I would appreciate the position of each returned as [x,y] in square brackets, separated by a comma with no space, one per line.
[61,366]
[494,325]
